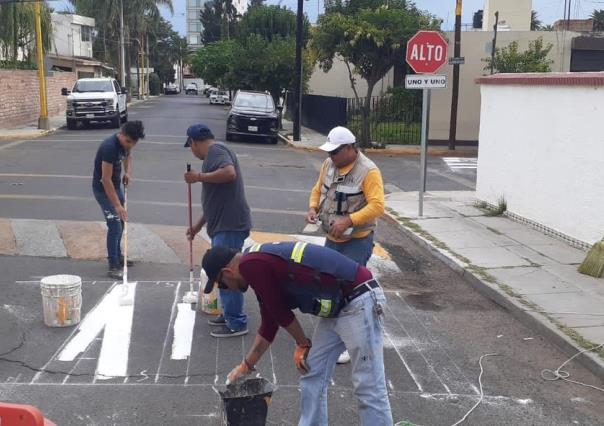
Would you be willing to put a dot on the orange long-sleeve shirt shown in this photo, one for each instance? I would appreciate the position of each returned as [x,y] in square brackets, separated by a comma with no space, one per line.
[373,190]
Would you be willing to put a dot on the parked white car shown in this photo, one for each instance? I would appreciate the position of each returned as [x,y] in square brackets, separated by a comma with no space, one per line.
[96,99]
[219,97]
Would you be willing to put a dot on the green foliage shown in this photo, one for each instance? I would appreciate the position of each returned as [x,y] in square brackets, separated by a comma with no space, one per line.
[154,84]
[17,34]
[510,60]
[219,20]
[536,24]
[214,62]
[261,57]
[270,22]
[598,17]
[370,36]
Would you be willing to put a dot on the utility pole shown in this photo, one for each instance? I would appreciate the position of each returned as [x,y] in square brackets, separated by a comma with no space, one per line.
[494,44]
[142,43]
[148,72]
[43,122]
[455,95]
[298,77]
[122,49]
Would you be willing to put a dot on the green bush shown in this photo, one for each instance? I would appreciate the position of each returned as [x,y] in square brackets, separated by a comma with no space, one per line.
[154,84]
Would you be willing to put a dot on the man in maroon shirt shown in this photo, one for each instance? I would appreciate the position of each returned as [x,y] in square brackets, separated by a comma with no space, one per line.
[325,283]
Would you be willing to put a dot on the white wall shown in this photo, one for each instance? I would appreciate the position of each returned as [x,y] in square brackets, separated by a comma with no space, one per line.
[67,35]
[513,14]
[542,148]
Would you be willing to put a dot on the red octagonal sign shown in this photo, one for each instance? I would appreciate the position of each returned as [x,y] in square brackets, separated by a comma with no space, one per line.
[427,52]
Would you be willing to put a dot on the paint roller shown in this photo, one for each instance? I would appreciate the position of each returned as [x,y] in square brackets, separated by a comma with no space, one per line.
[190,296]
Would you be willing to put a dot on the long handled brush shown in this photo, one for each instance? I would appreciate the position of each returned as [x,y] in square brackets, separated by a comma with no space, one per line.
[127,297]
[190,296]
[593,265]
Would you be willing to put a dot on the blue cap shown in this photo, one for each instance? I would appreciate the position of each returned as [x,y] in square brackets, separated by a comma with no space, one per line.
[198,132]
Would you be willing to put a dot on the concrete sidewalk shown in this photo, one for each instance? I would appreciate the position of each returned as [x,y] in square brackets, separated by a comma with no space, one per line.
[311,140]
[531,274]
[31,131]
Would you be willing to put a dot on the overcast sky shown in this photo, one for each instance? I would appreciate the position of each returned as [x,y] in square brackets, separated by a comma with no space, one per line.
[548,10]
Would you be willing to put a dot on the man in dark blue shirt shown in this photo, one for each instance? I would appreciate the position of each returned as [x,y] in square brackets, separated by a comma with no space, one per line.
[106,186]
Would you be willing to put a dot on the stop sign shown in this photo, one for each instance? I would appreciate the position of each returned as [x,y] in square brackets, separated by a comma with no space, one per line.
[426,52]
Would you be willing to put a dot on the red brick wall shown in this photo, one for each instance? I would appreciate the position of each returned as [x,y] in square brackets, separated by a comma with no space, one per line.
[20,96]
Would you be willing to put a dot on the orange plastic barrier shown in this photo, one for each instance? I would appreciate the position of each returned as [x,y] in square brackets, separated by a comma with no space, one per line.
[22,415]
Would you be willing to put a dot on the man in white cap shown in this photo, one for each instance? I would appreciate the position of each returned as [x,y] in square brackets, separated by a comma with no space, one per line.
[347,199]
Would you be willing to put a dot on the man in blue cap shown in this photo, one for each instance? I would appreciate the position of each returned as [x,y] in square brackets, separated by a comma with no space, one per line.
[226,215]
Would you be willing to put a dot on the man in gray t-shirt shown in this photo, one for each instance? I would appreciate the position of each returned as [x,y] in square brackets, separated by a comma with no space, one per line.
[226,215]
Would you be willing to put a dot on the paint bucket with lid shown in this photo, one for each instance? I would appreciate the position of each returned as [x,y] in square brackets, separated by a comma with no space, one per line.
[61,300]
[246,403]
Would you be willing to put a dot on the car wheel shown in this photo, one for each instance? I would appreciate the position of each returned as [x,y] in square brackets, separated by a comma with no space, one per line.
[229,137]
[273,140]
[72,124]
[125,117]
[115,122]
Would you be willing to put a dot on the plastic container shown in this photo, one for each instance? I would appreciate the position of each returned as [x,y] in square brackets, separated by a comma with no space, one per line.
[246,403]
[61,300]
[209,302]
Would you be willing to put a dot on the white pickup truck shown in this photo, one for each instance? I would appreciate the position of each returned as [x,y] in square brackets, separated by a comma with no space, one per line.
[96,99]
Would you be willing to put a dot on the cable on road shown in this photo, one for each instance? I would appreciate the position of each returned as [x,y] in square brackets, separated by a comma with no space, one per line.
[464,418]
[560,374]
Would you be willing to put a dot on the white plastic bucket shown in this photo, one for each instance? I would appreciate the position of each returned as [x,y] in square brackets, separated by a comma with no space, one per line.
[61,300]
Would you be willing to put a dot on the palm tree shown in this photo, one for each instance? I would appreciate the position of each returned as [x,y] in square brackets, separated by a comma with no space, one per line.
[17,32]
[536,23]
[598,17]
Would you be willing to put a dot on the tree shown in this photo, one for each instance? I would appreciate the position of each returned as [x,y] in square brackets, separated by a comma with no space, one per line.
[510,60]
[271,22]
[219,20]
[598,17]
[17,33]
[536,23]
[254,3]
[370,37]
[214,62]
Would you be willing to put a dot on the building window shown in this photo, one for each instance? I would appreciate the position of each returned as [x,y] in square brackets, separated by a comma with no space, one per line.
[86,33]
[193,39]
[194,3]
[194,27]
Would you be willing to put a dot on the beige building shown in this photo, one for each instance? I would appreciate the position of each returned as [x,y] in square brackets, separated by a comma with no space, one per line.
[514,15]
[475,47]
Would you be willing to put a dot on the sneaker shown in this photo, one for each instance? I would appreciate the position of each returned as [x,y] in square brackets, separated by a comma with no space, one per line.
[344,358]
[115,273]
[130,262]
[224,331]
[219,320]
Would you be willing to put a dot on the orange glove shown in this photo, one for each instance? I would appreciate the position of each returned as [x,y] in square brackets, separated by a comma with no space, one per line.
[241,370]
[300,355]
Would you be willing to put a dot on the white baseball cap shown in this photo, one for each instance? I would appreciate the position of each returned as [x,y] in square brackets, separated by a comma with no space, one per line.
[337,137]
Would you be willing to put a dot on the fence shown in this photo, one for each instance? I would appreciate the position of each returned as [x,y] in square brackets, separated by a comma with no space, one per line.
[320,113]
[392,119]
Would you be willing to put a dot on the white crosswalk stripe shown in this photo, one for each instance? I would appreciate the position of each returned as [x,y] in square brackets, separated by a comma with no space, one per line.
[461,163]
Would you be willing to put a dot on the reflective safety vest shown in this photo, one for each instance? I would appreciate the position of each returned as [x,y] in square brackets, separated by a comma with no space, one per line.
[314,297]
[343,194]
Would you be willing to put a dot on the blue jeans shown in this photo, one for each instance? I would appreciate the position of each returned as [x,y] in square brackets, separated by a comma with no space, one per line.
[357,249]
[359,329]
[114,226]
[232,300]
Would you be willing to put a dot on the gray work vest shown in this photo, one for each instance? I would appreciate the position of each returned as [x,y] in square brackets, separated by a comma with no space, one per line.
[343,194]
[314,297]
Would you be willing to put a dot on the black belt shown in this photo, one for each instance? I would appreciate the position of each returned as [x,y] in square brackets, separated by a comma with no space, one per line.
[361,289]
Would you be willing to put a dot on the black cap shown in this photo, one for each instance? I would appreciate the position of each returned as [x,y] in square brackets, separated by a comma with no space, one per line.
[198,132]
[212,263]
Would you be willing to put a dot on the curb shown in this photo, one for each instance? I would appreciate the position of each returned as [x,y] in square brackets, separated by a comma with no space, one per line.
[25,136]
[398,152]
[534,320]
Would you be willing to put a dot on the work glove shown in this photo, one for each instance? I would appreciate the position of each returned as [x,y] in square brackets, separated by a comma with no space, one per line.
[238,372]
[300,355]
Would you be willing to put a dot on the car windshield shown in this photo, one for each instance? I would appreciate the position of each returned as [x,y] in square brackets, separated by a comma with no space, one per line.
[93,86]
[254,101]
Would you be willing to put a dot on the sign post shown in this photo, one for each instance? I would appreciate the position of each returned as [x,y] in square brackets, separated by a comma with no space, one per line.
[426,53]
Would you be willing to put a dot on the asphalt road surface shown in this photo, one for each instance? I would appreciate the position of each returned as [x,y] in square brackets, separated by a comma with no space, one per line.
[437,327]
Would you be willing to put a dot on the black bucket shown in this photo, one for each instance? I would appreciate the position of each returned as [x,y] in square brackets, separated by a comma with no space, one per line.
[246,403]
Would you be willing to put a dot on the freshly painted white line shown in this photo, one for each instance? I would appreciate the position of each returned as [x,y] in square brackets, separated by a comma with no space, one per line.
[91,326]
[419,387]
[163,351]
[183,332]
[113,360]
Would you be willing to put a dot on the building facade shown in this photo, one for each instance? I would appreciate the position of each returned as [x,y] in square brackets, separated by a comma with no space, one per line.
[194,26]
